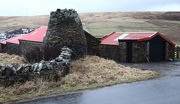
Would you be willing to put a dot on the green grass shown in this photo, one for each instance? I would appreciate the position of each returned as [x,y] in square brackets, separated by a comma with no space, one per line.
[104,28]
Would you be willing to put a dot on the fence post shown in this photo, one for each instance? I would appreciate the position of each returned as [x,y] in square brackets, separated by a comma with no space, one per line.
[177,49]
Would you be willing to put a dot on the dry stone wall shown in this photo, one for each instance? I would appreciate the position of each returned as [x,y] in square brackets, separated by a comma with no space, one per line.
[12,48]
[123,51]
[109,52]
[3,48]
[170,51]
[47,70]
[140,51]
[92,43]
[64,29]
[32,51]
[119,52]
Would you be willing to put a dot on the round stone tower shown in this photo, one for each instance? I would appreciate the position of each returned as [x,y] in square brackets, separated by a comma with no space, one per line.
[64,29]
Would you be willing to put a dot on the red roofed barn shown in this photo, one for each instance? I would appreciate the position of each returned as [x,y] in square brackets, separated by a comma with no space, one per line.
[11,45]
[137,47]
[18,45]
[31,45]
[35,36]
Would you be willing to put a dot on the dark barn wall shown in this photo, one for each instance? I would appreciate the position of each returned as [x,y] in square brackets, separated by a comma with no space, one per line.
[13,48]
[92,43]
[3,48]
[157,49]
[109,52]
[32,51]
[114,52]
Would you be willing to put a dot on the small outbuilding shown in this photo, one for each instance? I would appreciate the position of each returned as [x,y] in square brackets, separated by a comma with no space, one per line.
[31,44]
[137,47]
[11,45]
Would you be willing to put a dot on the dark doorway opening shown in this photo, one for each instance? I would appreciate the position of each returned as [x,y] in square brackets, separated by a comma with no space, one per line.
[157,51]
[129,52]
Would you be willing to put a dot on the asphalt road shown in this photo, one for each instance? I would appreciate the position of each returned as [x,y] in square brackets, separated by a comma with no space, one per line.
[164,90]
[167,68]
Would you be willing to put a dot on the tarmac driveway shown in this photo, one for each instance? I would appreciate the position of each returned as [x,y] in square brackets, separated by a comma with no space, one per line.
[167,68]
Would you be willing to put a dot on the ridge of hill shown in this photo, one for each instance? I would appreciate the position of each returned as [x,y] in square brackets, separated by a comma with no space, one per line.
[103,23]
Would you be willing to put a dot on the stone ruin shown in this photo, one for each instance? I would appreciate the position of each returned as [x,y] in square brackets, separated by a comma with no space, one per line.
[51,70]
[64,29]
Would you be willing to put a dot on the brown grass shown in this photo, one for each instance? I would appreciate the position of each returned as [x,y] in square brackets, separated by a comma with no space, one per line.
[85,73]
[93,69]
[11,59]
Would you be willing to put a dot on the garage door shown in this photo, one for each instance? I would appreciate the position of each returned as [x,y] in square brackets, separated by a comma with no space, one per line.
[157,51]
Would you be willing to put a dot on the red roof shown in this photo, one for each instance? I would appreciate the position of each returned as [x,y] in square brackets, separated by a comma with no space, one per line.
[36,36]
[112,39]
[13,40]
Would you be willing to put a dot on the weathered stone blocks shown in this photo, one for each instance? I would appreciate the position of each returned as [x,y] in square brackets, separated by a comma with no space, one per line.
[64,29]
[47,70]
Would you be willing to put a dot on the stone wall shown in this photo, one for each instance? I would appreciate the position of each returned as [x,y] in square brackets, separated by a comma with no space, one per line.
[64,29]
[51,70]
[3,48]
[123,51]
[170,51]
[32,51]
[109,52]
[13,48]
[119,53]
[140,52]
[92,43]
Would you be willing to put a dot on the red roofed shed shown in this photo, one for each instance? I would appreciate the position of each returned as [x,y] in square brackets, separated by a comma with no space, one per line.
[11,45]
[35,36]
[139,46]
[14,40]
[113,38]
[15,45]
[31,46]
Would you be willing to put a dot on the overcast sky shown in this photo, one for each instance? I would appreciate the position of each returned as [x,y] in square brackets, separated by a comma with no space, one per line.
[44,7]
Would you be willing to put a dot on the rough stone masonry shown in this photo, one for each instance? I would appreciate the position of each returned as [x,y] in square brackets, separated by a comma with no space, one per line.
[47,70]
[64,29]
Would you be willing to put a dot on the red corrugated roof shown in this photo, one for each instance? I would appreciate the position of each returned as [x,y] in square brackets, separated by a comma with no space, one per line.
[14,39]
[3,42]
[36,36]
[112,39]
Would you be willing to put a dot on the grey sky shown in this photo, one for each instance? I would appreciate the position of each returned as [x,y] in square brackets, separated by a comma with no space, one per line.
[44,7]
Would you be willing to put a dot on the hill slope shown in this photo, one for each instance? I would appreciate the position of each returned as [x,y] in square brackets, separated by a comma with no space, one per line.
[101,24]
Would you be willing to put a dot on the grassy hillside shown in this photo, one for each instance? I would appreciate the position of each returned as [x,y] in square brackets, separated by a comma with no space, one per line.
[101,24]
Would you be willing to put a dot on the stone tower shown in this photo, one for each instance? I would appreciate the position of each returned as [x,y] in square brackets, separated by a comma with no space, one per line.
[64,29]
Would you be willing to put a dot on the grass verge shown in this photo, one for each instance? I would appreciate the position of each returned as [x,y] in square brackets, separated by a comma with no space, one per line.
[86,73]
